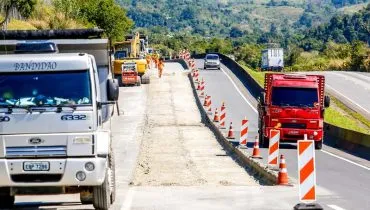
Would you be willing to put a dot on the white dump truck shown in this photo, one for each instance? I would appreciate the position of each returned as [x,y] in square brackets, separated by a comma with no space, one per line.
[272,59]
[57,98]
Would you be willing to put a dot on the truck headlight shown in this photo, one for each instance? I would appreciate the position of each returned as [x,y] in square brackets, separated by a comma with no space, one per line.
[89,166]
[81,176]
[82,140]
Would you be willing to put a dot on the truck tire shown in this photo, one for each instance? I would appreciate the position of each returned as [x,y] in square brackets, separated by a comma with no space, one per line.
[86,199]
[120,83]
[138,83]
[145,79]
[318,145]
[102,195]
[6,200]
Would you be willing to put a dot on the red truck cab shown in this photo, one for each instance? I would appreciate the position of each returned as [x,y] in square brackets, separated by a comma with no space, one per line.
[295,105]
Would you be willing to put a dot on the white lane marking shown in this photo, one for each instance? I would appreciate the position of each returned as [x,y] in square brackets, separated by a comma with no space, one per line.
[342,158]
[237,89]
[326,152]
[335,207]
[127,203]
[347,98]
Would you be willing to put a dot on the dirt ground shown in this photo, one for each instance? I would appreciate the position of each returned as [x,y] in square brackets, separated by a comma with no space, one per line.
[177,149]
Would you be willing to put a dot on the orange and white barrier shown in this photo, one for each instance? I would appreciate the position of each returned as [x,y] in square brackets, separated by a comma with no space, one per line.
[209,105]
[206,101]
[306,167]
[201,88]
[273,154]
[223,116]
[244,133]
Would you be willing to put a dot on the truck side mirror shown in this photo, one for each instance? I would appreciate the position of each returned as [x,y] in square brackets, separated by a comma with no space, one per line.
[113,89]
[327,101]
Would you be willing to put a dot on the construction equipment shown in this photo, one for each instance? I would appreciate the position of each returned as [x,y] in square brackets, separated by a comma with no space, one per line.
[130,75]
[131,50]
[295,105]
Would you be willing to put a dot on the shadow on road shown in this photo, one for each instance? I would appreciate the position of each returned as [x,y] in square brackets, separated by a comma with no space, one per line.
[51,206]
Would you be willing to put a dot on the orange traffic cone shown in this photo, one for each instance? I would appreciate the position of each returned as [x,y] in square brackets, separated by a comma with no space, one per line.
[256,149]
[230,134]
[216,118]
[283,172]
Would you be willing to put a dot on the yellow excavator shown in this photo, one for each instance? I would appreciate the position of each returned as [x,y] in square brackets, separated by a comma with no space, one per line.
[131,50]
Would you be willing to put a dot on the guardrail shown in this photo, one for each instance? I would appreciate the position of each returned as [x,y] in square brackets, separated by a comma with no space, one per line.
[349,140]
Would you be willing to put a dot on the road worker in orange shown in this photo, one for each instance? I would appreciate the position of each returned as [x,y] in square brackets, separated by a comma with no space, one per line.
[148,59]
[160,67]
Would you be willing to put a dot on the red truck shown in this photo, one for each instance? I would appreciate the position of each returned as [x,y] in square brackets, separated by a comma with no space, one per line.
[295,105]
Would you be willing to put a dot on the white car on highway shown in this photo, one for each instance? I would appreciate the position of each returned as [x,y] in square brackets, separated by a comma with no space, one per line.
[212,61]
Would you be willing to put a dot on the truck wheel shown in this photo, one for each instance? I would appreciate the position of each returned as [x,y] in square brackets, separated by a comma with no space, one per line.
[86,198]
[205,67]
[101,194]
[138,83]
[7,200]
[119,78]
[145,79]
[318,145]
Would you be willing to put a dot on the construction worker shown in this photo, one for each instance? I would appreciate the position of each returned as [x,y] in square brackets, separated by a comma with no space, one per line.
[160,67]
[148,59]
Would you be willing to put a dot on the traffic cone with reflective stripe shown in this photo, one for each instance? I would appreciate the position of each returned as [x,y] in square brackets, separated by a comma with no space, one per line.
[216,118]
[230,134]
[256,149]
[283,172]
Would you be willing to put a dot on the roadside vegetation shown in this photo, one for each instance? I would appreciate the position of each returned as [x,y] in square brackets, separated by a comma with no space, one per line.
[66,14]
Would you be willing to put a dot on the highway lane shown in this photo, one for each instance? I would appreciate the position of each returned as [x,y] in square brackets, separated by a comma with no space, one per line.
[347,182]
[343,85]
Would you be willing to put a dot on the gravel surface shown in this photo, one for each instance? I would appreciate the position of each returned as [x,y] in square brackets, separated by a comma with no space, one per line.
[177,149]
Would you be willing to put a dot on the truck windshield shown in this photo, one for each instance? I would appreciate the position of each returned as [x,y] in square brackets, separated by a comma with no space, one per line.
[300,97]
[45,88]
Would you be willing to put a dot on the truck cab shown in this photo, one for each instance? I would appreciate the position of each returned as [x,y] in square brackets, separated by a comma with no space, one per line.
[56,110]
[295,105]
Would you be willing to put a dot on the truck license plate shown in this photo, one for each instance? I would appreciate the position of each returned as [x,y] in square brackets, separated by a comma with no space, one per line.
[36,166]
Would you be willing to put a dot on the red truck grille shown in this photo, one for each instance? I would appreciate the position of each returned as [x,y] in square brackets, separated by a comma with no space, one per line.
[294,125]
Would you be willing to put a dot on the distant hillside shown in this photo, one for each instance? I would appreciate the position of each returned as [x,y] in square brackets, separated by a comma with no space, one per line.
[233,18]
[345,28]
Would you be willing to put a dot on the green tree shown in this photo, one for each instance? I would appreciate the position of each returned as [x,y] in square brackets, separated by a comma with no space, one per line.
[24,7]
[107,15]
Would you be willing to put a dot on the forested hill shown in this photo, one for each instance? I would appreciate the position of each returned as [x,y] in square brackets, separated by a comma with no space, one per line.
[345,28]
[235,18]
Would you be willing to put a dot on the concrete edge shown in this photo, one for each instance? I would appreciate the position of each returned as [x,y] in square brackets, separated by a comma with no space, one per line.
[257,168]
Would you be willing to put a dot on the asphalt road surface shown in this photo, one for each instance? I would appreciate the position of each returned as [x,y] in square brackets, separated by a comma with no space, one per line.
[352,88]
[344,176]
[342,184]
